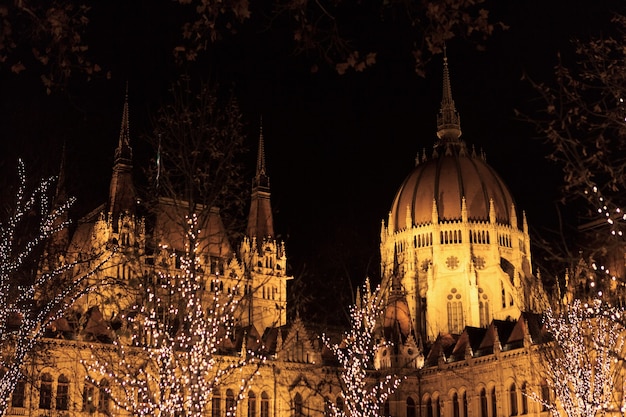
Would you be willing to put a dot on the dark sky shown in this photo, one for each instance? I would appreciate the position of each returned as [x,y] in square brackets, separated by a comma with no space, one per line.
[337,147]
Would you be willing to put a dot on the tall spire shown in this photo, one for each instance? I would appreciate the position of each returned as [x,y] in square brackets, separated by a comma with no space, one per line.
[448,120]
[124,153]
[260,219]
[261,179]
[122,190]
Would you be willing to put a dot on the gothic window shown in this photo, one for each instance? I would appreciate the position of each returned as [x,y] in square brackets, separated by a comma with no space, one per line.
[19,394]
[45,392]
[455,313]
[230,403]
[437,405]
[545,396]
[298,408]
[265,405]
[429,407]
[410,407]
[464,403]
[340,404]
[524,392]
[483,306]
[216,404]
[63,393]
[494,402]
[104,397]
[456,410]
[513,399]
[88,397]
[483,403]
[251,404]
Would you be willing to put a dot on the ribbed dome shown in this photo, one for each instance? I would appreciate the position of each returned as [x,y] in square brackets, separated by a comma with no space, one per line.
[447,180]
[450,176]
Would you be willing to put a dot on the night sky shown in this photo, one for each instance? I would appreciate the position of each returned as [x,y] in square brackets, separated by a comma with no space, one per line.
[337,147]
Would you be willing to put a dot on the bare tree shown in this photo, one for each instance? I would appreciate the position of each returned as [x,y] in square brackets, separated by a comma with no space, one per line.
[363,392]
[34,293]
[581,117]
[179,348]
[198,141]
[584,359]
[55,40]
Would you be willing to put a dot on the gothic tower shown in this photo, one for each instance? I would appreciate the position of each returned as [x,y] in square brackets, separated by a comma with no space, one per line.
[463,258]
[263,256]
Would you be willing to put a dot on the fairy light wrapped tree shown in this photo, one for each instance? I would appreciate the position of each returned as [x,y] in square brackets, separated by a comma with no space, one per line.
[35,289]
[583,361]
[174,361]
[364,392]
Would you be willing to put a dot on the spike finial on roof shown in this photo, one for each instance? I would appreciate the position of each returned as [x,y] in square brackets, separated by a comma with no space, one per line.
[448,120]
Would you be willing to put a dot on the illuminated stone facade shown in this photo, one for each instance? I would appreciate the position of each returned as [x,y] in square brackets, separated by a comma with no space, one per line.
[456,266]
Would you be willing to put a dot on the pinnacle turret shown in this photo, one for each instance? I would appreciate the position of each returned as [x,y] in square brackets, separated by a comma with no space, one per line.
[448,119]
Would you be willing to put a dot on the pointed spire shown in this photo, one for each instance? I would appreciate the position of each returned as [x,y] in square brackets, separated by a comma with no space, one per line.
[124,152]
[448,120]
[260,162]
[122,190]
[260,219]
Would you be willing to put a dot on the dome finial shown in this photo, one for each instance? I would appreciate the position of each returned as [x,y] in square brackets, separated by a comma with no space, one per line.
[448,120]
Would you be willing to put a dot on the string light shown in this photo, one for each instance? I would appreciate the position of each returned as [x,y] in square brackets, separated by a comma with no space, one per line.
[361,396]
[581,360]
[173,368]
[25,314]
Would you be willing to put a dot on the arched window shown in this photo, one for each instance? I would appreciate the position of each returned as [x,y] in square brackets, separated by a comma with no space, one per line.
[251,404]
[19,394]
[456,410]
[298,408]
[63,393]
[513,399]
[104,396]
[483,403]
[494,402]
[88,397]
[429,407]
[340,404]
[464,403]
[410,407]
[524,398]
[230,403]
[455,315]
[265,405]
[216,404]
[483,306]
[545,396]
[45,392]
[437,405]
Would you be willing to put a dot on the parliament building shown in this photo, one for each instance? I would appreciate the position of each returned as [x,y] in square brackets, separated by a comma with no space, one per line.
[462,317]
